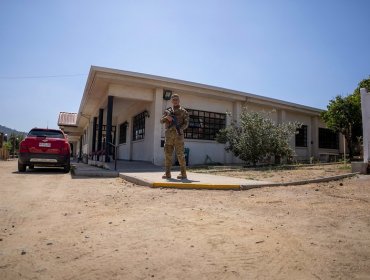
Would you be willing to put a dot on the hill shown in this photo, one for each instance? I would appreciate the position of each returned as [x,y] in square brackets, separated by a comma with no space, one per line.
[9,131]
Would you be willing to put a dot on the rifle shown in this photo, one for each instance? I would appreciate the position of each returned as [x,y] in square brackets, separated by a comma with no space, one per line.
[174,122]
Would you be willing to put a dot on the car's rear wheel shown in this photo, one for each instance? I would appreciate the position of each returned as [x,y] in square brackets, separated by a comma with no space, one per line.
[21,167]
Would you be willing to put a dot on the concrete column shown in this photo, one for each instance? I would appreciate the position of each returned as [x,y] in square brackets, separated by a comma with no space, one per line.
[314,141]
[281,116]
[108,146]
[309,137]
[93,144]
[228,156]
[237,111]
[100,129]
[89,136]
[80,152]
[365,107]
[158,156]
[235,116]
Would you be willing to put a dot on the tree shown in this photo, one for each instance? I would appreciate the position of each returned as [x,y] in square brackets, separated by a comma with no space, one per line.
[15,139]
[344,115]
[365,83]
[257,137]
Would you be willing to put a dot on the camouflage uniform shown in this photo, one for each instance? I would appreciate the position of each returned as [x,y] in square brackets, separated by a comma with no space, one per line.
[174,139]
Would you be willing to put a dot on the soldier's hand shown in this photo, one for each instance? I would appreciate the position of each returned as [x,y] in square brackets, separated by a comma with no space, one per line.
[169,118]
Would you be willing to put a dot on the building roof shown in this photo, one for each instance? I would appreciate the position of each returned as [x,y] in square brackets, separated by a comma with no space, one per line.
[100,78]
[67,119]
[117,75]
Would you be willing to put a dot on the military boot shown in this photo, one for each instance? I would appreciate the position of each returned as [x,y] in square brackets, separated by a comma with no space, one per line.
[167,174]
[183,173]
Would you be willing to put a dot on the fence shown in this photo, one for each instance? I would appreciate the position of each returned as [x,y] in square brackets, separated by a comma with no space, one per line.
[4,154]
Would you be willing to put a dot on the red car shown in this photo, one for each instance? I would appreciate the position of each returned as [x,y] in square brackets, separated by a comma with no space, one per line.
[44,147]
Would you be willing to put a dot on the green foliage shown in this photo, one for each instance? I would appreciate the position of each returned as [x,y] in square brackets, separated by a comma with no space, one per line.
[344,115]
[15,139]
[8,146]
[257,137]
[365,83]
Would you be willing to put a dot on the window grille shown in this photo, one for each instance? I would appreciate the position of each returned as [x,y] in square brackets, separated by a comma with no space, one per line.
[301,137]
[123,133]
[138,127]
[204,125]
[328,139]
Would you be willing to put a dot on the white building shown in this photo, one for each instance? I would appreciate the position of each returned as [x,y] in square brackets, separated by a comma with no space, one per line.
[124,108]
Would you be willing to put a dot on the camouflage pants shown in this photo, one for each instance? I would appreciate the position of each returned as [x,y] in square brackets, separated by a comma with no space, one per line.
[174,141]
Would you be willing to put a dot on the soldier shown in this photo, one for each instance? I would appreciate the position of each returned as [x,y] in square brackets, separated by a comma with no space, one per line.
[176,120]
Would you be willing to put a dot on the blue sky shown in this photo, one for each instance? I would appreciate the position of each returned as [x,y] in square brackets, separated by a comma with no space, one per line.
[300,51]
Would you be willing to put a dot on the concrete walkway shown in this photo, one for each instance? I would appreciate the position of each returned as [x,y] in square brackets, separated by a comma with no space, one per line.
[147,174]
[194,181]
[85,170]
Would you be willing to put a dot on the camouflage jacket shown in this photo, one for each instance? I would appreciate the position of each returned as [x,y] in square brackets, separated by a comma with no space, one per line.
[182,118]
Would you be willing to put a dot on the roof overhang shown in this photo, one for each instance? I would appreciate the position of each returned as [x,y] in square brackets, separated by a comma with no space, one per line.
[100,79]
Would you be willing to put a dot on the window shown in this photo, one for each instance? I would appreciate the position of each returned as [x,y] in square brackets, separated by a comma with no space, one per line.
[204,125]
[328,139]
[47,133]
[138,127]
[122,133]
[301,137]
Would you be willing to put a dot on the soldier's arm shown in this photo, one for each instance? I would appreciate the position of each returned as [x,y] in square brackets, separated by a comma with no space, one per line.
[164,117]
[185,124]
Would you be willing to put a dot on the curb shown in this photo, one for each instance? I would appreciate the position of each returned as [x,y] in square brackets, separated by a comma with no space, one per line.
[195,186]
[303,182]
[100,174]
[95,172]
[135,180]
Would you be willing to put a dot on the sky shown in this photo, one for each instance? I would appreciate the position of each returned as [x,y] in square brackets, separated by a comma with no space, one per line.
[300,51]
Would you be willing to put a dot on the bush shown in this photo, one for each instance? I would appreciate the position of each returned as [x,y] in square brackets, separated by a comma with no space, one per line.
[257,136]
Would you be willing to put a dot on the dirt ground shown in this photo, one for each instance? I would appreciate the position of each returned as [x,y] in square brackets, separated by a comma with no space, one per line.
[284,174]
[53,226]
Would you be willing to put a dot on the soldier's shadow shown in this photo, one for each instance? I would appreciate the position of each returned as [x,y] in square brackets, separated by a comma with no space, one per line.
[182,180]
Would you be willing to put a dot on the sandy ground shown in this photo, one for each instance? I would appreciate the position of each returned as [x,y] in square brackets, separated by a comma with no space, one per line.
[290,174]
[53,226]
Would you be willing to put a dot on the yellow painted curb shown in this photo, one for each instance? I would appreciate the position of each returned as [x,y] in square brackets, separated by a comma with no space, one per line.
[195,186]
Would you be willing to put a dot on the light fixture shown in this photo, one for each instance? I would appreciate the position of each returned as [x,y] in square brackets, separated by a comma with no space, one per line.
[146,114]
[167,94]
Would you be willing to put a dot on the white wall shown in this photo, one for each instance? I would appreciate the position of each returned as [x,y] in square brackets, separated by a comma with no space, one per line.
[130,101]
[271,111]
[125,110]
[200,149]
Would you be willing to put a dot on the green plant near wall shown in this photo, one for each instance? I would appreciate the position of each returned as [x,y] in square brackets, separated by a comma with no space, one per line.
[8,146]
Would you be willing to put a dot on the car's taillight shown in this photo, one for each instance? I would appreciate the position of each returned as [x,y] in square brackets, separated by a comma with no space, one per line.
[65,148]
[23,147]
